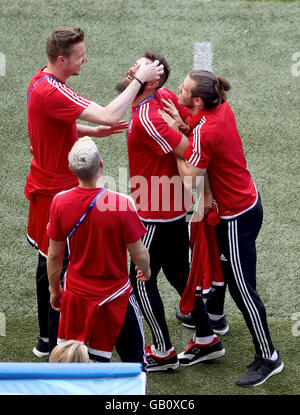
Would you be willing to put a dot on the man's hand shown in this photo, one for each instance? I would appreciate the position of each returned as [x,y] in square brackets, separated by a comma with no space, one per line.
[106,131]
[141,276]
[208,200]
[150,71]
[169,120]
[55,299]
[171,109]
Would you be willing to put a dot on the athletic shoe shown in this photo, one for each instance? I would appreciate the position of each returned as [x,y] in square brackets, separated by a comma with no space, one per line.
[156,363]
[220,327]
[260,370]
[185,319]
[196,353]
[41,349]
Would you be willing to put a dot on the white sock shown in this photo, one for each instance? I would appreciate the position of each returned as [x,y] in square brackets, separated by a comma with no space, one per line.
[274,356]
[215,317]
[162,354]
[205,340]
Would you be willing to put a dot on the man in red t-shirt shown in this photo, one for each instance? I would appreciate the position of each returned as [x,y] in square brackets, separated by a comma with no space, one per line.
[216,149]
[99,226]
[162,202]
[52,109]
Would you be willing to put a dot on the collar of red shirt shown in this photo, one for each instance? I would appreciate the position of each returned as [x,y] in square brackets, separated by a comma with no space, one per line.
[193,121]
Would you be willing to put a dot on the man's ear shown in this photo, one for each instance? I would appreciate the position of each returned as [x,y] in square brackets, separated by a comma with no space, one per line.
[101,164]
[151,85]
[198,102]
[60,59]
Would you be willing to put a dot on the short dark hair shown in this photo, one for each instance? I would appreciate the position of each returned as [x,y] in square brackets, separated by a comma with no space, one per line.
[61,41]
[210,88]
[149,54]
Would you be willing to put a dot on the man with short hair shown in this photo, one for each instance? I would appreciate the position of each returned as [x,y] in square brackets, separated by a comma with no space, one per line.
[99,226]
[162,203]
[216,148]
[53,109]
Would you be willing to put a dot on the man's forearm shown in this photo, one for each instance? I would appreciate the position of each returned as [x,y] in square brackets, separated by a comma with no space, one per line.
[54,267]
[84,130]
[142,260]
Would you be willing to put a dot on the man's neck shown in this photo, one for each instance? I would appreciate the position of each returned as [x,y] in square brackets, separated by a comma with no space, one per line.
[53,70]
[92,184]
[142,97]
[196,109]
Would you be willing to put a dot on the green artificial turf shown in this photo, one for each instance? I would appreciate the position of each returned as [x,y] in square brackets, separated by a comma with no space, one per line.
[253,43]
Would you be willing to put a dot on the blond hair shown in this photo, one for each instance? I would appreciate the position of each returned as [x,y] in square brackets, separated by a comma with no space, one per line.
[69,351]
[84,159]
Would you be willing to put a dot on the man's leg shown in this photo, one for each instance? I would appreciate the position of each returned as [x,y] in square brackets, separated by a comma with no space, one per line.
[48,319]
[237,243]
[53,315]
[131,342]
[42,292]
[160,356]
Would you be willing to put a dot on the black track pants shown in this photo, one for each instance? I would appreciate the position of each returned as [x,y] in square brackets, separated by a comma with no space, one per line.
[48,318]
[168,245]
[236,238]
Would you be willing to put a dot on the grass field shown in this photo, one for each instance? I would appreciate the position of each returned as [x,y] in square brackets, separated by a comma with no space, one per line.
[253,43]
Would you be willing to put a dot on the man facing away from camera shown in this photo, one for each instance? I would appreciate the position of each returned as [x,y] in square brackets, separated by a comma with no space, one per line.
[99,226]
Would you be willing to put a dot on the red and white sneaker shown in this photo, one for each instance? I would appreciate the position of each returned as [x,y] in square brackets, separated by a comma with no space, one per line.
[196,353]
[157,362]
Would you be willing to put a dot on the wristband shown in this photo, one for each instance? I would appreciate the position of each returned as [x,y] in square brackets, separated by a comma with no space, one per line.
[137,79]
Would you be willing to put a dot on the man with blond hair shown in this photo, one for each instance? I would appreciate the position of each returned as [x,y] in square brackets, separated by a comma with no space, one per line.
[99,226]
[53,109]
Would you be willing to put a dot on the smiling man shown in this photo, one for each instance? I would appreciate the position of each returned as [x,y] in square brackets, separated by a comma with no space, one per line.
[53,109]
[162,202]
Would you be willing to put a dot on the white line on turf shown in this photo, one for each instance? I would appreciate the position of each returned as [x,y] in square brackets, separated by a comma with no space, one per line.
[203,56]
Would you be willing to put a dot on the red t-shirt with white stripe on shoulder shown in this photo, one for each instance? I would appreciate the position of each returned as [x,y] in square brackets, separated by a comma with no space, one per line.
[98,266]
[156,186]
[215,145]
[52,109]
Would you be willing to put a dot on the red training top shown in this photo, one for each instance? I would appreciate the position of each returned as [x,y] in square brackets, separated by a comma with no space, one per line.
[215,145]
[156,186]
[98,254]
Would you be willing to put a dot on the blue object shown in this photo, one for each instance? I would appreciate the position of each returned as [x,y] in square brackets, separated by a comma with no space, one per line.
[72,379]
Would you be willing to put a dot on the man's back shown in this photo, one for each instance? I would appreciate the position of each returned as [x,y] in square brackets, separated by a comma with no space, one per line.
[98,253]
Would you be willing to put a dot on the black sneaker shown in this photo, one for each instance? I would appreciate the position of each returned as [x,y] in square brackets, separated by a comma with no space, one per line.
[260,370]
[156,363]
[41,349]
[220,326]
[185,319]
[196,353]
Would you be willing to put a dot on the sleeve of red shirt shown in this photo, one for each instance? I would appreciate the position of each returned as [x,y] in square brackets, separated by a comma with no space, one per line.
[199,151]
[161,138]
[54,230]
[133,228]
[64,104]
